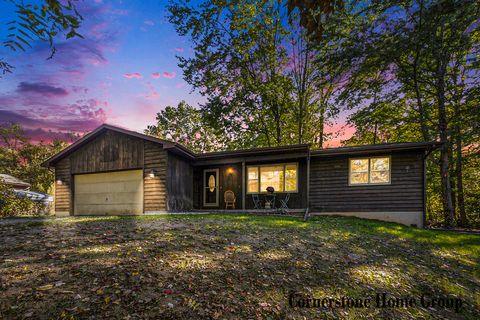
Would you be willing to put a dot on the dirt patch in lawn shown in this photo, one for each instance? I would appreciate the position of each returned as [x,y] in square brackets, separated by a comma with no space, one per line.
[229,267]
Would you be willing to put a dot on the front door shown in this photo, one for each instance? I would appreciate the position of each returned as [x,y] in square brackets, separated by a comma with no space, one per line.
[210,188]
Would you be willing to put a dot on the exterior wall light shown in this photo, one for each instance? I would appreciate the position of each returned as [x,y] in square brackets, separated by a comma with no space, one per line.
[59,182]
[230,171]
[151,174]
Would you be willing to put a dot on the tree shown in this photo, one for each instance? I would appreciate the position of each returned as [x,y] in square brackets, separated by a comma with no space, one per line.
[22,159]
[422,59]
[313,14]
[184,124]
[43,21]
[258,72]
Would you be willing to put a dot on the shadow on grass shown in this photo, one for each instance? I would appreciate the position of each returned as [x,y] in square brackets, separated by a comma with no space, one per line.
[223,266]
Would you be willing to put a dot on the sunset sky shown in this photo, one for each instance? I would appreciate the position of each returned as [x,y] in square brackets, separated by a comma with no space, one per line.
[123,72]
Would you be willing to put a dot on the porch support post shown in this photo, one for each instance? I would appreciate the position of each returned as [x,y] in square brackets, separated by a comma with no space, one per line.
[243,185]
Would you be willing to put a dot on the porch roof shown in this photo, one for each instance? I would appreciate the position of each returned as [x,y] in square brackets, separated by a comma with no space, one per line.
[253,155]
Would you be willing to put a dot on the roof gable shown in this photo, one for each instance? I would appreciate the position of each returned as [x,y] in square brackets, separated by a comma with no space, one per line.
[174,147]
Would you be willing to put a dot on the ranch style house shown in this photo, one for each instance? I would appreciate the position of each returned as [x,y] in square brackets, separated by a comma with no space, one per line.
[113,171]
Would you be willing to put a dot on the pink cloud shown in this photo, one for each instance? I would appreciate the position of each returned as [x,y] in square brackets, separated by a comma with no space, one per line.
[180,85]
[135,75]
[149,22]
[98,30]
[169,75]
[120,12]
[179,49]
[338,133]
[152,92]
[156,75]
[82,116]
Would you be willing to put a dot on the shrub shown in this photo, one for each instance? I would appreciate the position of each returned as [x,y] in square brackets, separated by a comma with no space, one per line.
[11,205]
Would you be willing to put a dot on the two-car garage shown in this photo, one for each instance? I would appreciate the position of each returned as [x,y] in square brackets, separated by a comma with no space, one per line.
[109,193]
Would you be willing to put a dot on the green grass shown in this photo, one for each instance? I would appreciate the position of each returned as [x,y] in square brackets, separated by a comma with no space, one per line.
[230,266]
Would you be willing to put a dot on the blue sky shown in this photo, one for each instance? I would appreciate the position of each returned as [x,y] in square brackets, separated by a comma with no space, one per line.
[123,72]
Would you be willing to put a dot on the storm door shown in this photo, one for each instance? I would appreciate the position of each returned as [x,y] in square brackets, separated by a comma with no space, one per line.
[210,188]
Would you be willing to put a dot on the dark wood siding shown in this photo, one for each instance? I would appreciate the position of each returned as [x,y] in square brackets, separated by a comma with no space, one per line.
[112,151]
[108,152]
[155,189]
[227,181]
[330,192]
[63,194]
[180,183]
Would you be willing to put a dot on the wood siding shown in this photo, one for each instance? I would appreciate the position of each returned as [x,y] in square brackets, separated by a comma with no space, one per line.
[63,193]
[112,151]
[155,189]
[179,183]
[227,181]
[109,151]
[330,192]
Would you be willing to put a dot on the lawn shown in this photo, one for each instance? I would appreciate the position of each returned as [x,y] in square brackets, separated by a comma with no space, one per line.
[235,266]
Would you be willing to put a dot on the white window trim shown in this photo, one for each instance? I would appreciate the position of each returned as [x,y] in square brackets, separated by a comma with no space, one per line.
[368,172]
[272,165]
[217,186]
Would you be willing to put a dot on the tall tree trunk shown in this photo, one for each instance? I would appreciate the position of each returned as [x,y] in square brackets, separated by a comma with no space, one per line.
[444,151]
[452,177]
[459,172]
[418,95]
[442,59]
[421,108]
[321,127]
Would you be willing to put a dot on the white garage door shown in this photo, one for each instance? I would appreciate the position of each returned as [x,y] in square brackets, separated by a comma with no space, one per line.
[112,193]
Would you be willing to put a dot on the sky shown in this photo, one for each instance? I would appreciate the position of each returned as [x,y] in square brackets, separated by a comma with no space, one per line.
[123,72]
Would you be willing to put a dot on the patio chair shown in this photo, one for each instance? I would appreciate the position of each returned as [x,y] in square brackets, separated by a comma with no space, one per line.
[230,199]
[284,203]
[256,201]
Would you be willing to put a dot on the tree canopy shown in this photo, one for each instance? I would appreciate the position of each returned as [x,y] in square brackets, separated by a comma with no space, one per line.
[264,83]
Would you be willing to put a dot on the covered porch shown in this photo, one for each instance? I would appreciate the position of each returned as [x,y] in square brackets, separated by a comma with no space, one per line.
[238,181]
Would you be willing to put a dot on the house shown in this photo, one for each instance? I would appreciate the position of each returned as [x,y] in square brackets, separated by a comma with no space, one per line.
[14,183]
[113,171]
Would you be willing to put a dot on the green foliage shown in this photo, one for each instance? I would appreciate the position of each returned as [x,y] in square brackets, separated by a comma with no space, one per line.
[472,189]
[185,125]
[42,21]
[12,205]
[22,159]
[412,75]
[264,84]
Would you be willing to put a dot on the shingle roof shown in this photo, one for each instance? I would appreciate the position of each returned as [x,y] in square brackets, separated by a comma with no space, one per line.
[185,152]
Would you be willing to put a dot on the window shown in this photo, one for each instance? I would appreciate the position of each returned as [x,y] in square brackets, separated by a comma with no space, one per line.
[282,177]
[369,171]
[253,179]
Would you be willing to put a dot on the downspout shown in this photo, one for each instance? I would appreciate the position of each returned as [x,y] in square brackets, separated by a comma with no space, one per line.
[308,186]
[424,216]
[243,185]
